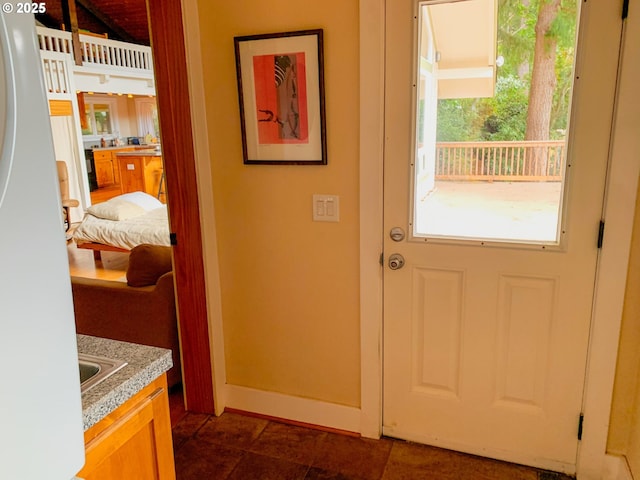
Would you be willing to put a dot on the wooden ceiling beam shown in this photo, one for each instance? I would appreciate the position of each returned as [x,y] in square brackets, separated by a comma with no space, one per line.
[70,20]
[106,21]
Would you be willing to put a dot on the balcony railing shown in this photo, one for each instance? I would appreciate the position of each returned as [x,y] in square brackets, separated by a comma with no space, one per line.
[56,74]
[501,161]
[99,52]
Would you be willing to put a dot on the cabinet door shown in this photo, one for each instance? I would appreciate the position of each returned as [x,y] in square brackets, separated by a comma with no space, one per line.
[131,174]
[152,175]
[105,175]
[136,444]
[114,162]
[115,169]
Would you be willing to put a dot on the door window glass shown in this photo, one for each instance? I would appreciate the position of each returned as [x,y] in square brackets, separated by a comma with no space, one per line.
[494,83]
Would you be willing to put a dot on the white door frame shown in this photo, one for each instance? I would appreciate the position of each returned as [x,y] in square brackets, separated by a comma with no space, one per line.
[620,198]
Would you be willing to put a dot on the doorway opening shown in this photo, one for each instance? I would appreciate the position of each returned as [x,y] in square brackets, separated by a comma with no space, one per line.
[174,115]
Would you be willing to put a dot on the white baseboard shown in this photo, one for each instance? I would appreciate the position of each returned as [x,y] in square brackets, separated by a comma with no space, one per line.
[616,468]
[297,409]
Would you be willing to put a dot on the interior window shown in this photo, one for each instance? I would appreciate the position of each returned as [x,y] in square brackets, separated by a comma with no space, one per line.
[99,117]
[102,117]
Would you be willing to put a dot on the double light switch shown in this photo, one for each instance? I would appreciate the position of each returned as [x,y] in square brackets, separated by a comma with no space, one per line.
[326,208]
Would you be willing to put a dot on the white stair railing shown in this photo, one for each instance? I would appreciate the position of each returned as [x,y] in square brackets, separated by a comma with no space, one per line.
[122,55]
[56,75]
[99,52]
[51,40]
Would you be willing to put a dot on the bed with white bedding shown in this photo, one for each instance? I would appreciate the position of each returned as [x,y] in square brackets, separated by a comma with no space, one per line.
[123,222]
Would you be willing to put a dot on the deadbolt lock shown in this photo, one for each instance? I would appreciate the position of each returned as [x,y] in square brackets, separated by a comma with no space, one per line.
[396,261]
[397,234]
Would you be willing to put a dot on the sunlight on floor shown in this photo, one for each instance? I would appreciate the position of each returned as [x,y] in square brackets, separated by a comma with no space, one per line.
[511,211]
[112,266]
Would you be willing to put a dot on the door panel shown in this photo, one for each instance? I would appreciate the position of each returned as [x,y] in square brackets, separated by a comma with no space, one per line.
[523,340]
[485,345]
[437,342]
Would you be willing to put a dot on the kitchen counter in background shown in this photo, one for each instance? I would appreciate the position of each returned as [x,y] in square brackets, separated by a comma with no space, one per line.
[146,152]
[108,149]
[146,146]
[141,171]
[144,365]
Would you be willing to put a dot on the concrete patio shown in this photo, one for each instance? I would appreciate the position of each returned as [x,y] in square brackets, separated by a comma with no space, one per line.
[515,211]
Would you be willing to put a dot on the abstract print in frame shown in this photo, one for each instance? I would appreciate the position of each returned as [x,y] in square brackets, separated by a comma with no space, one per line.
[281,93]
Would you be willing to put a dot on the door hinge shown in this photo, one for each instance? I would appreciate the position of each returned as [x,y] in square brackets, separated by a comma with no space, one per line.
[601,234]
[625,9]
[173,238]
[580,423]
[381,260]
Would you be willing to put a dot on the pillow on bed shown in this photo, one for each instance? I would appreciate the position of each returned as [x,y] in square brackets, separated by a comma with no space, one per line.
[147,263]
[141,199]
[116,209]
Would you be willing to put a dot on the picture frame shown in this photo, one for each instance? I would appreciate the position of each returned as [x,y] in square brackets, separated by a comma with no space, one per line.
[281,95]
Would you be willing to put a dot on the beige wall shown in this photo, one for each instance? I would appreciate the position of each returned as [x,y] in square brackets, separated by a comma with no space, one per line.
[289,285]
[625,401]
[624,430]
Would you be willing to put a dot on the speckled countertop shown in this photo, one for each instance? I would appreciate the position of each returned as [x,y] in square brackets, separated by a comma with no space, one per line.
[141,146]
[141,153]
[144,365]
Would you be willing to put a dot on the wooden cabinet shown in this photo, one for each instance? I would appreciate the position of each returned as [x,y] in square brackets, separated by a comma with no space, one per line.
[134,441]
[140,173]
[106,164]
[105,173]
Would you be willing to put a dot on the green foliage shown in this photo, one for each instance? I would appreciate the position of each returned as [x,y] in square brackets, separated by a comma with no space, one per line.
[508,119]
[563,28]
[562,94]
[516,35]
[503,117]
[457,119]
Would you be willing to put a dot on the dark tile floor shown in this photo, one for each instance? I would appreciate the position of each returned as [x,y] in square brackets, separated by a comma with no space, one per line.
[238,447]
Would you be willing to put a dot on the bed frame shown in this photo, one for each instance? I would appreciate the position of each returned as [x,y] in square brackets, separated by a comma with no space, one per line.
[98,248]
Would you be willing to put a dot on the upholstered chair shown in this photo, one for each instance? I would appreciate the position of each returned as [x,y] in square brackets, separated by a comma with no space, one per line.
[67,203]
[140,310]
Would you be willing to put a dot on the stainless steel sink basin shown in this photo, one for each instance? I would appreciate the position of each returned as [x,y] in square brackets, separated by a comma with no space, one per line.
[95,369]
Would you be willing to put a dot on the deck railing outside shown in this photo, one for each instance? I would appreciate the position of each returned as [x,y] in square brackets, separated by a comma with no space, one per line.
[98,51]
[501,161]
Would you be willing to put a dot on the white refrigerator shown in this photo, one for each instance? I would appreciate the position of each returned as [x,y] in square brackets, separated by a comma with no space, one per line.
[41,434]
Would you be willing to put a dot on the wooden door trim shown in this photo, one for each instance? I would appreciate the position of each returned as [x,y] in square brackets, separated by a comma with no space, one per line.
[172,87]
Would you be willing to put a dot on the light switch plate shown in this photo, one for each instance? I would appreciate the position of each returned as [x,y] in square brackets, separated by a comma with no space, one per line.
[326,208]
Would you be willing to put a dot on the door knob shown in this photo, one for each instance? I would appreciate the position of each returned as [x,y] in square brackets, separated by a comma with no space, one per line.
[396,261]
[397,234]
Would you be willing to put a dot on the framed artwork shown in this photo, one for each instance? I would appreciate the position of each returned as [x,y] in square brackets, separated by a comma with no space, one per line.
[281,93]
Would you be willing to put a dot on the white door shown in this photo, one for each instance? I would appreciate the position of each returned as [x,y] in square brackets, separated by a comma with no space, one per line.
[485,341]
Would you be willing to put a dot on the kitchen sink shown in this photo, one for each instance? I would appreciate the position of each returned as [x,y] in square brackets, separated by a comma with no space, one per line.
[94,369]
